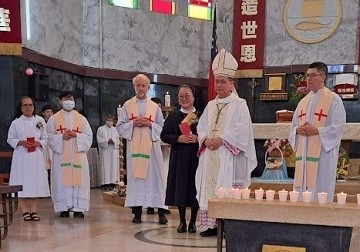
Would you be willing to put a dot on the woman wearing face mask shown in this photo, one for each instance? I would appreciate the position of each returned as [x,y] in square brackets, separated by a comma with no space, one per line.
[70,137]
[181,191]
[28,137]
[108,142]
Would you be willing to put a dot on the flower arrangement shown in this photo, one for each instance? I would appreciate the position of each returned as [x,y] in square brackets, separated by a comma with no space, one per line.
[298,89]
[39,125]
[343,164]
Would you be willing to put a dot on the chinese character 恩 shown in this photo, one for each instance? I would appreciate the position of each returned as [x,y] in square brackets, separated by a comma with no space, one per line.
[249,7]
[248,29]
[4,20]
[248,53]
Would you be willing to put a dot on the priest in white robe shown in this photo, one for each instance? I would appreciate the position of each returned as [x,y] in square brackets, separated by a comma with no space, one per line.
[140,123]
[70,137]
[227,149]
[315,135]
[108,140]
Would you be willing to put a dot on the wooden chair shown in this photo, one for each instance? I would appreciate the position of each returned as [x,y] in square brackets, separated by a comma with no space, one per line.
[4,177]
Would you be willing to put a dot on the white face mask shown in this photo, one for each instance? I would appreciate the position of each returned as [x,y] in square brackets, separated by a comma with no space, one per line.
[109,123]
[68,105]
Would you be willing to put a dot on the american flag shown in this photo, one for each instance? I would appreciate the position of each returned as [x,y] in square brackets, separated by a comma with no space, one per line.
[214,51]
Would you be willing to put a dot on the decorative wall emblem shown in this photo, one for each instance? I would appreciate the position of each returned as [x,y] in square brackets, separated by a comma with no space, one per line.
[312,21]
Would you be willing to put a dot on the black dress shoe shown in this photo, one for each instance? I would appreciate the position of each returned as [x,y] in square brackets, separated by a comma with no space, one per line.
[162,219]
[182,227]
[192,227]
[79,215]
[209,232]
[137,219]
[65,214]
[167,211]
[150,210]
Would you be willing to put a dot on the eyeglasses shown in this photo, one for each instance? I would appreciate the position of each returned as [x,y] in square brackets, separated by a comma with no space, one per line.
[313,75]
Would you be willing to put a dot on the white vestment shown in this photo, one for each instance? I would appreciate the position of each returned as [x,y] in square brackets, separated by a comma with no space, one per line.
[330,138]
[148,192]
[109,154]
[220,168]
[28,168]
[69,197]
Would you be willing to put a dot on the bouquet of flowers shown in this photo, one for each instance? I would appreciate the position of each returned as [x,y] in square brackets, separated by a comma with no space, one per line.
[343,164]
[39,125]
[298,89]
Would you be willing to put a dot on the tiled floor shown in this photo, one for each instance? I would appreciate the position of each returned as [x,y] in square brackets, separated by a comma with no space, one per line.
[106,227]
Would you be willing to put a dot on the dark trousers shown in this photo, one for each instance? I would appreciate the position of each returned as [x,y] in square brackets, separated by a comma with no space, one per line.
[137,211]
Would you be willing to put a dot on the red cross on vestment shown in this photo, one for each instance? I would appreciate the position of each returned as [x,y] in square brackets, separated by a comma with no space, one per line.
[77,130]
[150,119]
[320,114]
[61,129]
[301,114]
[132,117]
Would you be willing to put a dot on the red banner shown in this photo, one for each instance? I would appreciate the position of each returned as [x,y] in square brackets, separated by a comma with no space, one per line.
[10,27]
[248,37]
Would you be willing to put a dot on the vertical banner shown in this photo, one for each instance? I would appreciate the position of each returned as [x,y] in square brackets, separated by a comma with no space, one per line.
[249,37]
[10,27]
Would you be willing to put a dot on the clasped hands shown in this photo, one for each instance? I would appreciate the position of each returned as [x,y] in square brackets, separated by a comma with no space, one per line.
[213,143]
[307,129]
[69,134]
[111,141]
[187,138]
[28,145]
[142,122]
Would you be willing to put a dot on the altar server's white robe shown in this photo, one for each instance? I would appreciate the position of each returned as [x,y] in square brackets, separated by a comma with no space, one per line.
[148,192]
[69,197]
[237,131]
[330,138]
[109,154]
[28,168]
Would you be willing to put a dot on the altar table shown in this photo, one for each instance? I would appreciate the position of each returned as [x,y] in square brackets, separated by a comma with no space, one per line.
[282,130]
[251,223]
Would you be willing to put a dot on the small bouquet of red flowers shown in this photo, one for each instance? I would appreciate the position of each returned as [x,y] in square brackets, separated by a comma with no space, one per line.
[298,89]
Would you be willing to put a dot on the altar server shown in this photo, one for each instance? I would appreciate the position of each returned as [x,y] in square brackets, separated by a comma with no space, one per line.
[141,122]
[70,137]
[227,149]
[315,135]
[108,141]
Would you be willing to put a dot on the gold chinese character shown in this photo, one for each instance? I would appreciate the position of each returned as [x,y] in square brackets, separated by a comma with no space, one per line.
[248,29]
[249,7]
[248,53]
[4,20]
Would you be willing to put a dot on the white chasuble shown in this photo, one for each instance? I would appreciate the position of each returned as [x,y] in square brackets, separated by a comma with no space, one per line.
[76,198]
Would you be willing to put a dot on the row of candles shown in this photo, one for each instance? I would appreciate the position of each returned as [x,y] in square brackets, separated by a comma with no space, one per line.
[236,193]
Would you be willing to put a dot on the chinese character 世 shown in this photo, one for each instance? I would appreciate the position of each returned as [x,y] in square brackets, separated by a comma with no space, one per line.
[248,29]
[4,20]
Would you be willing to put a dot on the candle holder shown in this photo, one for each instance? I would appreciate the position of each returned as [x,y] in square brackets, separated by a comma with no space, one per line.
[283,195]
[322,197]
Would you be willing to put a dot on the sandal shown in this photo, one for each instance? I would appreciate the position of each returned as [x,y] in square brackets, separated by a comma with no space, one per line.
[26,216]
[34,216]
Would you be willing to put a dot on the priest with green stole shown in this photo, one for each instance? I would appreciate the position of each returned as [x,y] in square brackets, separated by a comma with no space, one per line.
[70,137]
[315,135]
[227,148]
[140,123]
